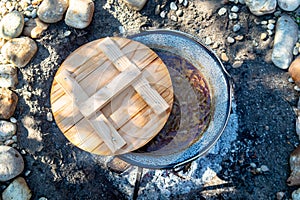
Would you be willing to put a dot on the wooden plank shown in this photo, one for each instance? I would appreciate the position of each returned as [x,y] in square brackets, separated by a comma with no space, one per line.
[151,96]
[107,132]
[100,124]
[105,94]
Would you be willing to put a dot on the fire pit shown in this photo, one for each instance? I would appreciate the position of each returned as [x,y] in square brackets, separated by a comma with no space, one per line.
[202,101]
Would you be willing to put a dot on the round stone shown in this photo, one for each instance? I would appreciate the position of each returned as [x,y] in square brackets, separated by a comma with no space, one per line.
[19,51]
[233,16]
[8,103]
[236,28]
[52,11]
[173,6]
[11,163]
[222,11]
[230,40]
[7,130]
[234,9]
[11,25]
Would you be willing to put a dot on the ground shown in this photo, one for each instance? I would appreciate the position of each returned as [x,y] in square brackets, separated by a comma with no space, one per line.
[265,99]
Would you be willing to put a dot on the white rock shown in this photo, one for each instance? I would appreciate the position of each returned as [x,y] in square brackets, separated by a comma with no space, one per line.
[163,14]
[7,130]
[174,18]
[296,194]
[222,11]
[233,16]
[234,9]
[8,76]
[17,190]
[288,5]
[80,13]
[173,6]
[13,120]
[236,28]
[261,7]
[270,26]
[185,3]
[242,1]
[230,40]
[11,25]
[11,163]
[286,36]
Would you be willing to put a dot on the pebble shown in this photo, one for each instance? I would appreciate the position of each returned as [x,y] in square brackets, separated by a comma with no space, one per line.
[173,6]
[279,195]
[13,120]
[261,7]
[224,57]
[270,26]
[8,103]
[236,27]
[242,1]
[264,168]
[286,36]
[185,3]
[222,11]
[80,13]
[157,9]
[294,70]
[253,165]
[264,22]
[233,16]
[239,37]
[11,163]
[179,13]
[17,190]
[271,21]
[263,36]
[52,11]
[288,5]
[270,32]
[163,14]
[34,28]
[19,51]
[237,63]
[295,51]
[174,18]
[208,41]
[8,76]
[7,130]
[234,9]
[136,4]
[11,25]
[230,40]
[296,194]
[9,142]
[294,178]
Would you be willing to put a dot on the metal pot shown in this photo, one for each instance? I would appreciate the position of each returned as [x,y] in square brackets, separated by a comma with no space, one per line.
[189,142]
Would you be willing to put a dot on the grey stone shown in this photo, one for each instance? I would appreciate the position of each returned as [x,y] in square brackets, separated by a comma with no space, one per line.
[234,9]
[286,36]
[8,103]
[296,194]
[173,6]
[288,5]
[7,130]
[270,26]
[34,28]
[19,51]
[136,4]
[230,40]
[80,13]
[52,11]
[261,7]
[11,25]
[236,28]
[11,163]
[17,190]
[8,76]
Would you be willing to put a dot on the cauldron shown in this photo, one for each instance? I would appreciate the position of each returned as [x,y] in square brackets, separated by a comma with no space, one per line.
[202,93]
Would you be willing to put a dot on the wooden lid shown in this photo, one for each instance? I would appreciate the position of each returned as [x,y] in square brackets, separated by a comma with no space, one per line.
[111,96]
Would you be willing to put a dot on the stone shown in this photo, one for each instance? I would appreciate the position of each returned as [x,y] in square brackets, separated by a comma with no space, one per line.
[11,25]
[270,26]
[17,190]
[224,57]
[264,168]
[230,40]
[294,178]
[174,18]
[263,36]
[8,103]
[232,16]
[11,163]
[296,194]
[9,142]
[222,11]
[34,28]
[185,3]
[136,4]
[236,27]
[279,195]
[294,70]
[80,13]
[8,76]
[7,130]
[19,51]
[173,6]
[237,64]
[286,36]
[295,51]
[242,1]
[163,14]
[234,9]
[52,11]
[261,7]
[288,5]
